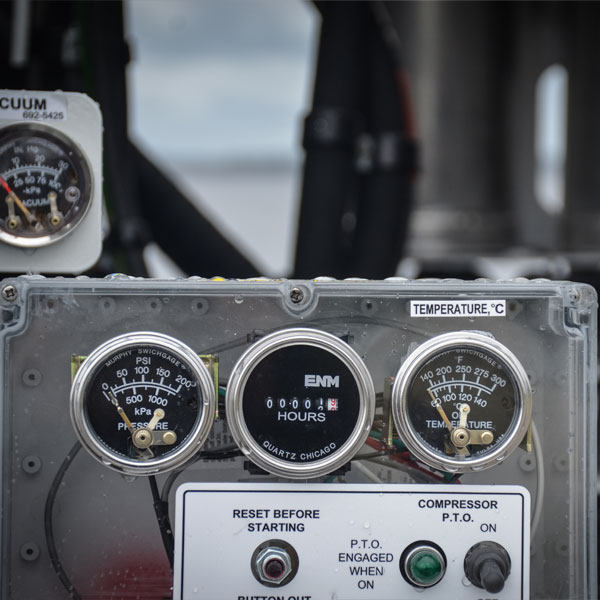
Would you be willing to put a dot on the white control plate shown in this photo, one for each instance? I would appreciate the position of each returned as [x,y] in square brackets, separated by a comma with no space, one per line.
[349,538]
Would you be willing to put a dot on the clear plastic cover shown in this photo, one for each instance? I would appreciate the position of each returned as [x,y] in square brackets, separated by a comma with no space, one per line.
[103,525]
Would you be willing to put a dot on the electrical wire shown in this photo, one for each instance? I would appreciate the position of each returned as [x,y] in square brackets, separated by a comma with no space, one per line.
[49,526]
[161,510]
[453,478]
[395,441]
[539,494]
[368,455]
[160,500]
[420,476]
[222,453]
[366,472]
[402,458]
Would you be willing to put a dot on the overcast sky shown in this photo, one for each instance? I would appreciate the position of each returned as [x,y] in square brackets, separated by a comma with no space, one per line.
[215,79]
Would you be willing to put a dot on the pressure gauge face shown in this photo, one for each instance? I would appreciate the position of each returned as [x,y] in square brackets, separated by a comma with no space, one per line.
[300,403]
[45,185]
[462,402]
[142,403]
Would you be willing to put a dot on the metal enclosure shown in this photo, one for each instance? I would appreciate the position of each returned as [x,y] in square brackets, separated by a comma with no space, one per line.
[105,529]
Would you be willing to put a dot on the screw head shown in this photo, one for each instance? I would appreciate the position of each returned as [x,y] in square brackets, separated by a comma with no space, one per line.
[72,194]
[169,438]
[460,437]
[9,293]
[296,295]
[31,464]
[30,551]
[487,437]
[142,438]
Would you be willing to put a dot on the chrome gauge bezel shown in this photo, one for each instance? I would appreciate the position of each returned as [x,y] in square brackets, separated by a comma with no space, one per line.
[410,369]
[78,156]
[88,437]
[235,393]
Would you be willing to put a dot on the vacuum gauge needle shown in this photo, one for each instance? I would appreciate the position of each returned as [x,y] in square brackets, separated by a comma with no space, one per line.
[28,215]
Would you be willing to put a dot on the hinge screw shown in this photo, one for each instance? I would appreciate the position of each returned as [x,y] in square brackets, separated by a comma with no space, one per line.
[296,295]
[9,293]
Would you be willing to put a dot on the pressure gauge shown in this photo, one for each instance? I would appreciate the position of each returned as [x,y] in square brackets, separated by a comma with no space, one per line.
[300,403]
[45,185]
[142,403]
[462,402]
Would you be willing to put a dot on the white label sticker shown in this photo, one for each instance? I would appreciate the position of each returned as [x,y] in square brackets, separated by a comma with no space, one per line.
[32,106]
[458,308]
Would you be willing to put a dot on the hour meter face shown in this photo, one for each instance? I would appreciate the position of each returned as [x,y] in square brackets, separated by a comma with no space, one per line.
[300,403]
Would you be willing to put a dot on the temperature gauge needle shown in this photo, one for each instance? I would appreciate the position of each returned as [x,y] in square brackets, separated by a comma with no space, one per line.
[438,405]
[28,215]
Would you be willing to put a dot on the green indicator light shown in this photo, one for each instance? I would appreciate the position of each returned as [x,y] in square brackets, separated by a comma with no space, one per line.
[426,568]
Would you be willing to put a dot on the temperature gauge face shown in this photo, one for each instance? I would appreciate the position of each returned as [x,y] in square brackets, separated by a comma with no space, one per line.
[462,402]
[45,185]
[142,403]
[300,403]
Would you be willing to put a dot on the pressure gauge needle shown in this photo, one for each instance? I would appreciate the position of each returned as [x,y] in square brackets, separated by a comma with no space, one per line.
[28,215]
[122,413]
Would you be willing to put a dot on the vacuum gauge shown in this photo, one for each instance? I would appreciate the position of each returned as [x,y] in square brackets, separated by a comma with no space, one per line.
[300,403]
[45,185]
[462,402]
[142,403]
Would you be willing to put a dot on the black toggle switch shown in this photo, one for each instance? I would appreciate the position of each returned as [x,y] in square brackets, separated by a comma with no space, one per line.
[487,566]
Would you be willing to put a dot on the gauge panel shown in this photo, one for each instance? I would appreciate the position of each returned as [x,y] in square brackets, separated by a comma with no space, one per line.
[300,403]
[45,185]
[142,403]
[462,402]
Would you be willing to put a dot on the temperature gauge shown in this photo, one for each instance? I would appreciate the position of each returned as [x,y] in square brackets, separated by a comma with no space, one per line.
[300,403]
[462,402]
[142,403]
[45,185]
